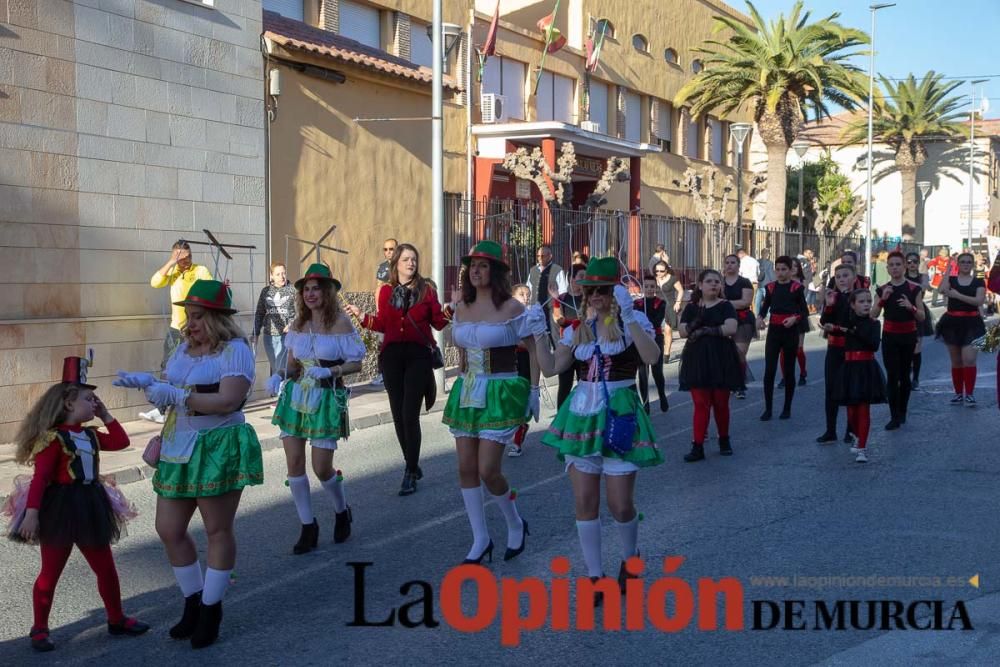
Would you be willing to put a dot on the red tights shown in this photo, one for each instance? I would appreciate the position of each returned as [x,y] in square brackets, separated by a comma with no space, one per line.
[54,560]
[800,355]
[964,379]
[705,401]
[859,418]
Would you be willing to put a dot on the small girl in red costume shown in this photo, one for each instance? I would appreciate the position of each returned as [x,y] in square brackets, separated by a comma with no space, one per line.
[67,503]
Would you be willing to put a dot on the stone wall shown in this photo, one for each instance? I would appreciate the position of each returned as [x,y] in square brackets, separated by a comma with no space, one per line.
[124,125]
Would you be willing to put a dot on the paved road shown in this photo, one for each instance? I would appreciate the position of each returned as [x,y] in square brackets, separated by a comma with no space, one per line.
[782,506]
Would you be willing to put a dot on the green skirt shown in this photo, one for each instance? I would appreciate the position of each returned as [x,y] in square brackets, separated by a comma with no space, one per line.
[224,459]
[506,404]
[583,435]
[329,422]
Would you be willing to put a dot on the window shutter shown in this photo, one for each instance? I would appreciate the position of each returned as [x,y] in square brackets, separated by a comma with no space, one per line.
[360,23]
[291,9]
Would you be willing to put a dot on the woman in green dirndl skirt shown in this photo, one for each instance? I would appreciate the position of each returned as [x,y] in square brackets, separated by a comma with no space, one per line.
[323,346]
[208,452]
[489,401]
[607,347]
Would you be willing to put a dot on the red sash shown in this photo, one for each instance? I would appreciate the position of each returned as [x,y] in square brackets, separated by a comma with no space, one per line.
[859,356]
[834,340]
[777,319]
[963,313]
[889,326]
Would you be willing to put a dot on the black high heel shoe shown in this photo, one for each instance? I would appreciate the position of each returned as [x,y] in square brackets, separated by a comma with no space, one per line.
[488,551]
[511,554]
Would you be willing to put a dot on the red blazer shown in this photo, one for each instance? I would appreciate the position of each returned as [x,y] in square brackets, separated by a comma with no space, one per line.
[55,463]
[993,283]
[398,328]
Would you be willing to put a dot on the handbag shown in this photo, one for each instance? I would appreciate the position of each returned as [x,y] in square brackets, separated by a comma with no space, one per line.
[619,430]
[151,455]
[437,359]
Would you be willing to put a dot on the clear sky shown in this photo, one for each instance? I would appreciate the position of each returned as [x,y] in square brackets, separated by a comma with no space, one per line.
[953,37]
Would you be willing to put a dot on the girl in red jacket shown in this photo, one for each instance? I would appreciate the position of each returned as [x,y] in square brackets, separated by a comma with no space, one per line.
[67,503]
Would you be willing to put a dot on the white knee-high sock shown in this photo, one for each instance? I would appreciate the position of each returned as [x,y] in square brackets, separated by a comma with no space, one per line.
[189,578]
[515,525]
[476,511]
[589,533]
[216,583]
[299,486]
[628,534]
[335,485]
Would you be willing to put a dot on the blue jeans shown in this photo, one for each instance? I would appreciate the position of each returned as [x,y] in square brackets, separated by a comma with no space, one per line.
[759,299]
[277,355]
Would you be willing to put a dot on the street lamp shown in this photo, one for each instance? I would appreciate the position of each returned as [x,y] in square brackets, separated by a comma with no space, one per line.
[801,147]
[871,95]
[972,151]
[925,188]
[738,132]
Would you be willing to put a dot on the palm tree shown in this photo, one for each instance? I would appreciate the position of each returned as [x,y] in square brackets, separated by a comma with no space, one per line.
[908,114]
[780,70]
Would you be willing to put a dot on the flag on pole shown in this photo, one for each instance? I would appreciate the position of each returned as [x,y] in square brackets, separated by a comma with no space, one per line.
[489,47]
[594,44]
[984,103]
[554,39]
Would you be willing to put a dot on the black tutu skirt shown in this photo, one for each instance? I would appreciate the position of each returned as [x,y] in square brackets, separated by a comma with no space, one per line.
[857,382]
[78,514]
[803,326]
[926,328]
[747,330]
[711,362]
[960,331]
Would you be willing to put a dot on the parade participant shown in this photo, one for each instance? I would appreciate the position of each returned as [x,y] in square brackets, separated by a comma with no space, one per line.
[602,428]
[672,292]
[993,282]
[522,293]
[275,312]
[565,311]
[179,274]
[489,401]
[937,269]
[711,367]
[960,325]
[834,320]
[66,503]
[323,347]
[655,310]
[786,303]
[382,278]
[800,354]
[738,291]
[926,326]
[902,301]
[849,258]
[859,381]
[407,310]
[208,454]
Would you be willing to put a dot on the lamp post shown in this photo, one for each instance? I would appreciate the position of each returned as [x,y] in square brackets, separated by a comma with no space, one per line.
[801,147]
[871,95]
[972,152]
[925,188]
[738,132]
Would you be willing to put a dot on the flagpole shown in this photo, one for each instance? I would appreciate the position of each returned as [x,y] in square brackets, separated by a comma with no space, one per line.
[545,50]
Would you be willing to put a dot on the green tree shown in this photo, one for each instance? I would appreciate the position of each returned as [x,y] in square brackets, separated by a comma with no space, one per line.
[829,203]
[779,70]
[908,113]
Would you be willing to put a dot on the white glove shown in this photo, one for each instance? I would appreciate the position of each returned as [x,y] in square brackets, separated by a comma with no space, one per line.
[625,304]
[319,373]
[273,385]
[535,321]
[134,380]
[534,406]
[164,394]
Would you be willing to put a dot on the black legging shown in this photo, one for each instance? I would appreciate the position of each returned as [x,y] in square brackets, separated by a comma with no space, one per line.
[657,369]
[406,370]
[834,360]
[780,338]
[897,357]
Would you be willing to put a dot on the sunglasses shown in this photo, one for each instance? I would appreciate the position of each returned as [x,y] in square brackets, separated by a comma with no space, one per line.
[603,290]
[393,249]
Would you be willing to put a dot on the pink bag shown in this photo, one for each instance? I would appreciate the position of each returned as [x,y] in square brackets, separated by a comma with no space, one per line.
[151,455]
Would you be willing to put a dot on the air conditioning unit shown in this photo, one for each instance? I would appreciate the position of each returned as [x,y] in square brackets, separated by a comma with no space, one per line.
[591,126]
[494,108]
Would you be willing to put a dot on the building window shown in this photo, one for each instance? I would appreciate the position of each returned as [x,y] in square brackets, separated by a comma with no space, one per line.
[503,76]
[360,23]
[555,98]
[291,9]
[599,25]
[696,66]
[670,56]
[661,123]
[714,131]
[640,43]
[421,49]
[599,104]
[692,149]
[633,114]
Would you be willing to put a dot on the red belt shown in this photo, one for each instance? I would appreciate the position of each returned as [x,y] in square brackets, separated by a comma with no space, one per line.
[859,356]
[779,318]
[835,341]
[894,327]
[743,314]
[963,313]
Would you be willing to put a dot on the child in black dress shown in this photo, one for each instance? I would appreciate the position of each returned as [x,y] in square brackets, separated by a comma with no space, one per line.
[834,320]
[655,309]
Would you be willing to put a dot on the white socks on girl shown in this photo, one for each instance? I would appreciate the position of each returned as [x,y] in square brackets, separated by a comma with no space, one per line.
[216,583]
[589,533]
[515,525]
[299,486]
[628,534]
[189,579]
[335,485]
[476,511]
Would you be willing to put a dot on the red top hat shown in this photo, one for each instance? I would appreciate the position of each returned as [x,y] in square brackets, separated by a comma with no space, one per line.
[75,371]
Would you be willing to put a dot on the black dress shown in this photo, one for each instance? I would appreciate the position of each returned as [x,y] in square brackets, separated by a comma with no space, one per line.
[669,296]
[860,379]
[710,362]
[925,328]
[961,324]
[803,325]
[746,330]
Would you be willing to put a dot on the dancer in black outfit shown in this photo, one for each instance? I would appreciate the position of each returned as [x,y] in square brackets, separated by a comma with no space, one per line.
[960,325]
[785,300]
[926,327]
[738,291]
[800,353]
[835,320]
[655,309]
[903,305]
[566,311]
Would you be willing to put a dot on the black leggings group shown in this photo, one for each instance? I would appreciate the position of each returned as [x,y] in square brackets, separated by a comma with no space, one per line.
[780,338]
[407,370]
[657,369]
[897,357]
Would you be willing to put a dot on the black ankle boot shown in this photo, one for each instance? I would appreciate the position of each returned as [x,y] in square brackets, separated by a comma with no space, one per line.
[697,453]
[207,630]
[189,620]
[409,485]
[308,538]
[342,526]
[725,447]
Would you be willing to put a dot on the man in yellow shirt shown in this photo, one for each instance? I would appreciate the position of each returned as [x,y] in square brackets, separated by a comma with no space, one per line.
[179,273]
